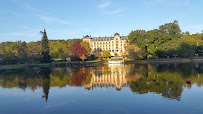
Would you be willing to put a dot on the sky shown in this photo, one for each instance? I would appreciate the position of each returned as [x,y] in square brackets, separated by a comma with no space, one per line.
[67,19]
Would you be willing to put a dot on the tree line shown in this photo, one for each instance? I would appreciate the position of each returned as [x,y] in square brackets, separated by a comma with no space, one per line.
[43,51]
[166,41]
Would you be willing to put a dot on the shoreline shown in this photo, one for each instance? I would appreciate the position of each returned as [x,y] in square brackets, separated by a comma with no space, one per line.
[165,61]
[150,61]
[20,66]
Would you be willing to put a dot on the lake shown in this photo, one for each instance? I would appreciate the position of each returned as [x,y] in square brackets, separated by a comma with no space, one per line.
[122,88]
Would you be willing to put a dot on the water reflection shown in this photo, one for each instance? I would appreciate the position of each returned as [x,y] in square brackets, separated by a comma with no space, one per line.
[169,80]
[108,76]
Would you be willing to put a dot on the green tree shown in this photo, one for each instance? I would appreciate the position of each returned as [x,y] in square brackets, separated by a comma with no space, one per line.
[106,54]
[46,58]
[186,50]
[171,29]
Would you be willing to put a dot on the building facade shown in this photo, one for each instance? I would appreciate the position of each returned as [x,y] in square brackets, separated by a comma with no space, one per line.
[113,44]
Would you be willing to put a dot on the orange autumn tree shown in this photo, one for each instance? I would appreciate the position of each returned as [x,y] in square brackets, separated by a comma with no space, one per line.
[78,51]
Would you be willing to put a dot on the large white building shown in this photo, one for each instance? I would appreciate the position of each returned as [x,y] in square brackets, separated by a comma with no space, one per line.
[113,44]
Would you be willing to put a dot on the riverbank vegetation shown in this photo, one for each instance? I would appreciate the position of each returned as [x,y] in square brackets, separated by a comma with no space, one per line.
[165,42]
[43,51]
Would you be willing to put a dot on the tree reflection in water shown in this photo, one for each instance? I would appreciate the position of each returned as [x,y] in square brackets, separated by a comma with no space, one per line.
[168,80]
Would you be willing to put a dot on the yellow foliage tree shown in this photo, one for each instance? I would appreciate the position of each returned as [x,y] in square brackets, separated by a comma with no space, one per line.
[87,46]
[133,52]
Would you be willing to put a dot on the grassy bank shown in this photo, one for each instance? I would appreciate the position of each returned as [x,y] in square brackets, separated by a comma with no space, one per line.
[18,66]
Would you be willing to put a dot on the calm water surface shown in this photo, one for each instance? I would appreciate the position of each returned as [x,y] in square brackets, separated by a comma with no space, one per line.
[129,88]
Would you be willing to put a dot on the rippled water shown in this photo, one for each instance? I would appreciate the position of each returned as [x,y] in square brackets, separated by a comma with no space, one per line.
[129,88]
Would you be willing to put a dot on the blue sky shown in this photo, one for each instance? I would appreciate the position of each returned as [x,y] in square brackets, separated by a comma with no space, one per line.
[67,19]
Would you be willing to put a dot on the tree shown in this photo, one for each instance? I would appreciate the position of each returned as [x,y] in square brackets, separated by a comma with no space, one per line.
[46,58]
[137,37]
[70,42]
[98,55]
[134,52]
[116,54]
[172,29]
[186,50]
[78,51]
[106,54]
[33,52]
[87,46]
[187,33]
[65,54]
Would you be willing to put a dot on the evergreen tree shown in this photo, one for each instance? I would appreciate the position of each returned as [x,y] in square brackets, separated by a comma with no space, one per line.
[46,58]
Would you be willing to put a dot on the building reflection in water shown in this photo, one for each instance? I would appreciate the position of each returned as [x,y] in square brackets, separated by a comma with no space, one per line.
[112,75]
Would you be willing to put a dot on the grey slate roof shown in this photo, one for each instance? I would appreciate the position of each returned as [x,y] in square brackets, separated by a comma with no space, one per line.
[107,38]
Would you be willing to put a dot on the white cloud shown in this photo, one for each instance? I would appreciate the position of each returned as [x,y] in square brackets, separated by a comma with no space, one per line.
[104,5]
[38,13]
[116,11]
[53,20]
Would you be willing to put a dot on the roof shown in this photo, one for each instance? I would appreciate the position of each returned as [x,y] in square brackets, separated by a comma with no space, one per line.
[116,34]
[108,38]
